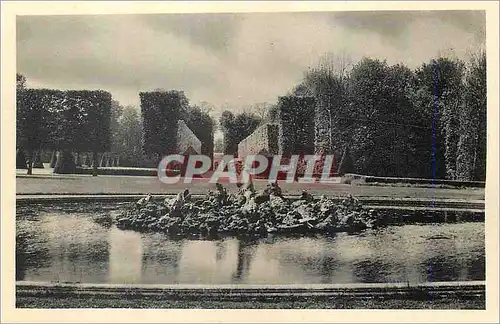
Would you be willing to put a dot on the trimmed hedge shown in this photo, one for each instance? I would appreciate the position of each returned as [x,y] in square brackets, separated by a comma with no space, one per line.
[357,178]
[296,134]
[124,171]
[160,112]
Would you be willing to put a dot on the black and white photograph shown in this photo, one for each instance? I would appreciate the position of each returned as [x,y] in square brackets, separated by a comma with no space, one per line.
[249,159]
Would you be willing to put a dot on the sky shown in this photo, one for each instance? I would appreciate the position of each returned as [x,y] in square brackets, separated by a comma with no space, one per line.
[228,60]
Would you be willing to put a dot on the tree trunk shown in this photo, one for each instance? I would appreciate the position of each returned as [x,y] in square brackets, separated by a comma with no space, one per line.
[65,163]
[30,161]
[53,159]
[94,164]
[346,163]
[101,163]
[330,129]
[37,162]
[21,160]
[78,159]
[87,161]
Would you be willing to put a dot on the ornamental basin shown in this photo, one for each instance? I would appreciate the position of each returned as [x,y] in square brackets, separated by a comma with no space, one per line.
[63,242]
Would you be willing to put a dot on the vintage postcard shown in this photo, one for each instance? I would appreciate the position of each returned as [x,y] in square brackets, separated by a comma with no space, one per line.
[249,161]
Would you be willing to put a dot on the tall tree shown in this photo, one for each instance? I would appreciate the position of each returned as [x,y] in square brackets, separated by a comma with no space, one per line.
[161,111]
[297,125]
[236,128]
[83,124]
[471,155]
[226,123]
[36,120]
[128,141]
[219,145]
[116,113]
[440,85]
[381,119]
[20,155]
[202,125]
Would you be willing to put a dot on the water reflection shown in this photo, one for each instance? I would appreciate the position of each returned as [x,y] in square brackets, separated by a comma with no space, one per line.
[160,259]
[246,251]
[68,248]
[28,255]
[71,247]
[125,256]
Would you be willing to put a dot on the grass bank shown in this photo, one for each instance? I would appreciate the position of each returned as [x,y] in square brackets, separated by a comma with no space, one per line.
[152,302]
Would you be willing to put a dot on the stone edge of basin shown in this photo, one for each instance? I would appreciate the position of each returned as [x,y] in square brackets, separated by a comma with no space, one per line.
[458,289]
[438,204]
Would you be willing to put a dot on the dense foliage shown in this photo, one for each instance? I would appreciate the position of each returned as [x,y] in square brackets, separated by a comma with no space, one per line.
[236,128]
[296,114]
[160,113]
[471,155]
[161,110]
[127,137]
[203,126]
[429,123]
[62,120]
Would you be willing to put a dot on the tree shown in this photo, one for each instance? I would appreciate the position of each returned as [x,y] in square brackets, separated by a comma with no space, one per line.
[20,156]
[128,140]
[381,122]
[98,112]
[296,115]
[245,124]
[161,111]
[206,107]
[236,128]
[20,82]
[346,164]
[82,125]
[36,120]
[219,145]
[440,93]
[471,150]
[226,123]
[327,84]
[21,159]
[116,113]
[259,109]
[202,125]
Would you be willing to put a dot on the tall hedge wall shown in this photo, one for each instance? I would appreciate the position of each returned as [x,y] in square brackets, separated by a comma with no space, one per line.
[296,135]
[160,112]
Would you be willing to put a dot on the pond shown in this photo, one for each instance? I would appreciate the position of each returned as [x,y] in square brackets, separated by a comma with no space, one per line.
[63,243]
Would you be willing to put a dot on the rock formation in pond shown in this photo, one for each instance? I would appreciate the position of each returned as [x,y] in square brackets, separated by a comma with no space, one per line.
[246,213]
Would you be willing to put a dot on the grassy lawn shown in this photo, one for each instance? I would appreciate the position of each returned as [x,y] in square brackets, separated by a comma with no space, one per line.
[83,184]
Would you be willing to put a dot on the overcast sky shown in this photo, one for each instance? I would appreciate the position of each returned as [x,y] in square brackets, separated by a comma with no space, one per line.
[234,59]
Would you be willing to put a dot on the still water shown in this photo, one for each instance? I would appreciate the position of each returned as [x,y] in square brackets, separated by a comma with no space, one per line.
[65,244]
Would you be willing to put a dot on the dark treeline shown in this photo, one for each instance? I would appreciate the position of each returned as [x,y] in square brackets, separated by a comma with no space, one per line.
[90,122]
[375,118]
[236,128]
[66,121]
[126,134]
[394,121]
[161,111]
